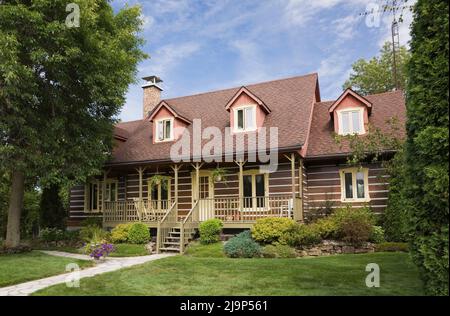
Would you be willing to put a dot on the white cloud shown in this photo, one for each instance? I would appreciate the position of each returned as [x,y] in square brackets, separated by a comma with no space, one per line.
[166,58]
[346,28]
[250,66]
[298,12]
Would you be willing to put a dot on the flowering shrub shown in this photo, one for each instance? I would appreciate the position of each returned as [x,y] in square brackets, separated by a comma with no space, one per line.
[99,250]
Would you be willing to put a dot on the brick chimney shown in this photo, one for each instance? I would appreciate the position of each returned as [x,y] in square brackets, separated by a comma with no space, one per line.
[152,94]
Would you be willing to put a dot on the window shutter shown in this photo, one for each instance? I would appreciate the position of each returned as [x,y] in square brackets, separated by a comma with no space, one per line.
[160,131]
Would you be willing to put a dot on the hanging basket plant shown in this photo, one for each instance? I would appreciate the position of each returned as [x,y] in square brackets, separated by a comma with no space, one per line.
[219,174]
[159,179]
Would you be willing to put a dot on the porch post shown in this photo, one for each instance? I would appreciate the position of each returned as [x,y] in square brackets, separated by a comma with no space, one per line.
[293,177]
[140,171]
[300,188]
[175,169]
[197,167]
[241,163]
[291,158]
[105,175]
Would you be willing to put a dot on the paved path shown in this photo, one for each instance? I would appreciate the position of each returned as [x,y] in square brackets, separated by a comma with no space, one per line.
[110,264]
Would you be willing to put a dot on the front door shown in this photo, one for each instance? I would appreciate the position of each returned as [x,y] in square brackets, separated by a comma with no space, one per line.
[206,196]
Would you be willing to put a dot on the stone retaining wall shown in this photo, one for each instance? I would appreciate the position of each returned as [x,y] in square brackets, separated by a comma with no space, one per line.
[331,247]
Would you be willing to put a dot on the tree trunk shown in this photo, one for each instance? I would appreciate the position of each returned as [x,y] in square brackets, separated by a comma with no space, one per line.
[15,209]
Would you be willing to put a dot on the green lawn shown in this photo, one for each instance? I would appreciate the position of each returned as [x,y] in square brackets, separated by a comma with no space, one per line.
[129,250]
[18,268]
[196,275]
[122,250]
[215,250]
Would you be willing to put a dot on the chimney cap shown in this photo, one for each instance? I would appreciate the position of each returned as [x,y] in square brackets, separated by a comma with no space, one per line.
[152,81]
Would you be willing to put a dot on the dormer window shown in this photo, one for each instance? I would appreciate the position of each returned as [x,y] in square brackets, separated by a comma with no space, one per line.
[245,118]
[351,121]
[164,130]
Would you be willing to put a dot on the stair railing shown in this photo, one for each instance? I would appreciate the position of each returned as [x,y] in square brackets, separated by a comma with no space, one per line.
[188,225]
[166,224]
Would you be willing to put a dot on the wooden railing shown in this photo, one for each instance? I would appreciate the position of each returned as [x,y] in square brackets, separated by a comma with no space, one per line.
[136,210]
[243,209]
[169,221]
[188,225]
[228,209]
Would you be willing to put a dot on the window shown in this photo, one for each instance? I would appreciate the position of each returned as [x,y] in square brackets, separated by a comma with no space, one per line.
[111,190]
[351,121]
[93,197]
[159,194]
[245,118]
[354,185]
[94,194]
[255,189]
[164,130]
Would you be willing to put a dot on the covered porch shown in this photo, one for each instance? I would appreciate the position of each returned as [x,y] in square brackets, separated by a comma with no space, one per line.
[234,212]
[245,194]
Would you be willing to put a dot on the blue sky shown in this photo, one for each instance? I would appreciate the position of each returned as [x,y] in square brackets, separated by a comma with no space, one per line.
[203,45]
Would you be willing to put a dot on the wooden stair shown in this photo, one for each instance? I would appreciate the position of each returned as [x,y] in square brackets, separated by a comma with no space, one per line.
[172,242]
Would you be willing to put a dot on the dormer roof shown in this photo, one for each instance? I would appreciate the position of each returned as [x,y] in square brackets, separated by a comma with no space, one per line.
[249,94]
[170,109]
[352,93]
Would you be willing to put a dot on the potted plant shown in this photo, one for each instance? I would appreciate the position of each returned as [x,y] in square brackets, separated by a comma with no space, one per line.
[218,174]
[158,179]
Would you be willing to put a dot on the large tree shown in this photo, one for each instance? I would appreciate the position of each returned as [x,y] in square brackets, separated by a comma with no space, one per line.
[61,87]
[427,144]
[376,75]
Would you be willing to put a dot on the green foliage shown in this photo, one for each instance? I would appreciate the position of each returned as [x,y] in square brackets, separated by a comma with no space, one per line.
[29,222]
[242,246]
[52,211]
[62,87]
[92,233]
[373,146]
[92,221]
[119,234]
[138,234]
[427,146]
[299,235]
[346,224]
[270,229]
[51,234]
[158,179]
[377,235]
[376,74]
[392,246]
[55,234]
[278,251]
[326,228]
[354,225]
[395,218]
[218,174]
[210,231]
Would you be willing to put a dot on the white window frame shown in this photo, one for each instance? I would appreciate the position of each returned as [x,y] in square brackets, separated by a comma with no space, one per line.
[361,119]
[355,198]
[243,108]
[157,140]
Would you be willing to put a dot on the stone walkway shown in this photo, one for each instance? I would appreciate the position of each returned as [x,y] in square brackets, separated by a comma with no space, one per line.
[110,264]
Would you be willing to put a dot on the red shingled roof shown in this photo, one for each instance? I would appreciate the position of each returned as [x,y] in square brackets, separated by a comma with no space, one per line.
[290,101]
[384,107]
